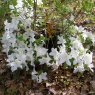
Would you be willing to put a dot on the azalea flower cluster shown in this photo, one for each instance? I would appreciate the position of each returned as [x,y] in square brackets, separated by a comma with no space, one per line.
[21,47]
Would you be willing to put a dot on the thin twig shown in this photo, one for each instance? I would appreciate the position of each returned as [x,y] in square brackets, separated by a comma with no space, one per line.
[35,8]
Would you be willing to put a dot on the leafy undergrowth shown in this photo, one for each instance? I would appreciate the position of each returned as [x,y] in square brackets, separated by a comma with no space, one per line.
[60,82]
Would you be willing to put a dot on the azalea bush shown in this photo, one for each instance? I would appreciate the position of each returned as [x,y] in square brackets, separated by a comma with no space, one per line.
[31,45]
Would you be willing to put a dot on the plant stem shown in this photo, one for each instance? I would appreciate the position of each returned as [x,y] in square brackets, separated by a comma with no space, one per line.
[35,8]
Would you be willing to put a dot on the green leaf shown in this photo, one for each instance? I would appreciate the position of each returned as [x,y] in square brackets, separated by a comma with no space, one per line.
[20,38]
[66,9]
[87,5]
[30,2]
[61,8]
[13,2]
[58,5]
[40,40]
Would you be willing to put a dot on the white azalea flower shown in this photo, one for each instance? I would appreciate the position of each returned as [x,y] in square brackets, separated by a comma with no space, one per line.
[84,36]
[74,53]
[54,53]
[39,2]
[15,65]
[13,25]
[90,35]
[42,76]
[91,66]
[88,58]
[7,25]
[11,58]
[27,24]
[41,51]
[34,75]
[11,7]
[21,44]
[55,65]
[63,57]
[78,60]
[19,4]
[72,17]
[77,45]
[45,60]
[39,78]
[6,48]
[68,62]
[80,29]
[62,49]
[8,41]
[79,68]
[61,40]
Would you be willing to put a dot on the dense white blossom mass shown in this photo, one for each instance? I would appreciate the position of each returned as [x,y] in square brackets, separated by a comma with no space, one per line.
[22,47]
